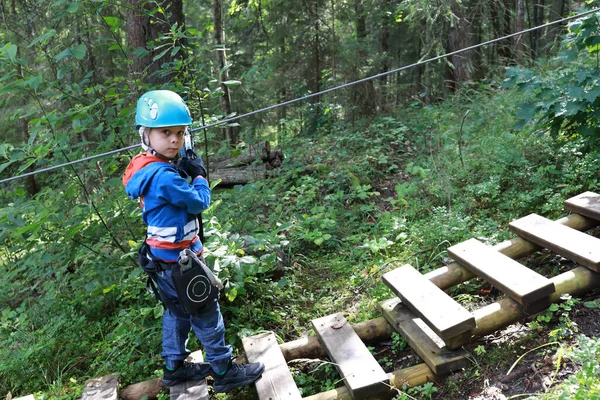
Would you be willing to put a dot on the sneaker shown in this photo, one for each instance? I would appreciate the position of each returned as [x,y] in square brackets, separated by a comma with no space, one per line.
[187,372]
[238,375]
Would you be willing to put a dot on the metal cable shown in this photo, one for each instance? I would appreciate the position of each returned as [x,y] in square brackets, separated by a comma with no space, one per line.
[308,96]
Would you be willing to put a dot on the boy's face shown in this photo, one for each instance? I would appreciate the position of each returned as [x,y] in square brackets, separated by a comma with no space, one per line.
[167,141]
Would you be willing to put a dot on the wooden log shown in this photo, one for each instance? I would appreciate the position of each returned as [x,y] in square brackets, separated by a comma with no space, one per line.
[102,388]
[138,391]
[507,311]
[374,330]
[412,376]
[237,176]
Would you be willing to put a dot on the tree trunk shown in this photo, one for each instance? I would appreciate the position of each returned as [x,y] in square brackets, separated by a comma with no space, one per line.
[230,134]
[538,19]
[557,11]
[505,25]
[142,28]
[364,96]
[520,24]
[384,47]
[459,37]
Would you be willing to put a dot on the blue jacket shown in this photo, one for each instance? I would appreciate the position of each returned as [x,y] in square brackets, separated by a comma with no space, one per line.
[170,205]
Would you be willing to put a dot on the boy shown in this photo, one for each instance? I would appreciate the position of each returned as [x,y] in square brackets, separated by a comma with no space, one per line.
[170,205]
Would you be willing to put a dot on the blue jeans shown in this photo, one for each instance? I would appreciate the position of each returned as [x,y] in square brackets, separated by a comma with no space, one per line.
[208,327]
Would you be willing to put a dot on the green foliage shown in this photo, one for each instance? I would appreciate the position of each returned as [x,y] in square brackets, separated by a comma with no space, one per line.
[583,384]
[424,392]
[557,313]
[566,100]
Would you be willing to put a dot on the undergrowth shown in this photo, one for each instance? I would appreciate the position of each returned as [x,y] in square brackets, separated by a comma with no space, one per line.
[350,203]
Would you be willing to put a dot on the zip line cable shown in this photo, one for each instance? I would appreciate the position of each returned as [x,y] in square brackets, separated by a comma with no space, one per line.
[309,96]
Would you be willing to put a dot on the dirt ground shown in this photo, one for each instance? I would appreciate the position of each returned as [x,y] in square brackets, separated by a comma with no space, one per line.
[535,373]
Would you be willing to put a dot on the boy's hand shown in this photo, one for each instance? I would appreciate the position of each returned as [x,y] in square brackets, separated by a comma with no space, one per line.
[193,167]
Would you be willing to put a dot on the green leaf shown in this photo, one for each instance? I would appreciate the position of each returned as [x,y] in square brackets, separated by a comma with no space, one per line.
[78,52]
[44,38]
[591,304]
[11,52]
[112,22]
[72,8]
[160,55]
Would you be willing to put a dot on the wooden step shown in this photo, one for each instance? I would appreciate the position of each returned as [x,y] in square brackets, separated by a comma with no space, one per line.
[569,243]
[190,390]
[101,388]
[445,316]
[586,204]
[277,381]
[362,374]
[422,339]
[515,280]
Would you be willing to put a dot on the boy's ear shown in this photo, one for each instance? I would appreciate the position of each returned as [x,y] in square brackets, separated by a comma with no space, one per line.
[143,131]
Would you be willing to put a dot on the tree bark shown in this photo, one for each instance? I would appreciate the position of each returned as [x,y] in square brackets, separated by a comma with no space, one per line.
[230,134]
[520,24]
[364,95]
[142,30]
[459,37]
[557,11]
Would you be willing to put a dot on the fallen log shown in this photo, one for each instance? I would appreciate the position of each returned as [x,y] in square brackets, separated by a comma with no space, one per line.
[137,391]
[253,164]
[412,376]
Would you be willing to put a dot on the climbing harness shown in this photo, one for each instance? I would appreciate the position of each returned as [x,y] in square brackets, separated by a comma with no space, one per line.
[195,284]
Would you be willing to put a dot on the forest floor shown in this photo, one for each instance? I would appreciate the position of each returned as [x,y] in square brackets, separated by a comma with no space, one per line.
[488,378]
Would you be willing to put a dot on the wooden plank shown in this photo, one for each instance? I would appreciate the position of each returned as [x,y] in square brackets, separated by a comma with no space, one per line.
[277,381]
[586,204]
[514,279]
[191,390]
[422,339]
[102,388]
[569,243]
[362,374]
[445,316]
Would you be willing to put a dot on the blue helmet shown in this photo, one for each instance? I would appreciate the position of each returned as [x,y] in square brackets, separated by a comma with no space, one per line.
[161,108]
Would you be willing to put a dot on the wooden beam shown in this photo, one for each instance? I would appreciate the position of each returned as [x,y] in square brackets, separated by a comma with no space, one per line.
[422,339]
[570,243]
[361,372]
[512,278]
[102,388]
[441,312]
[587,204]
[277,382]
[454,274]
[191,390]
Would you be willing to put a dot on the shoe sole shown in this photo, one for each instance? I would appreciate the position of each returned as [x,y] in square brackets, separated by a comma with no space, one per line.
[173,382]
[226,388]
